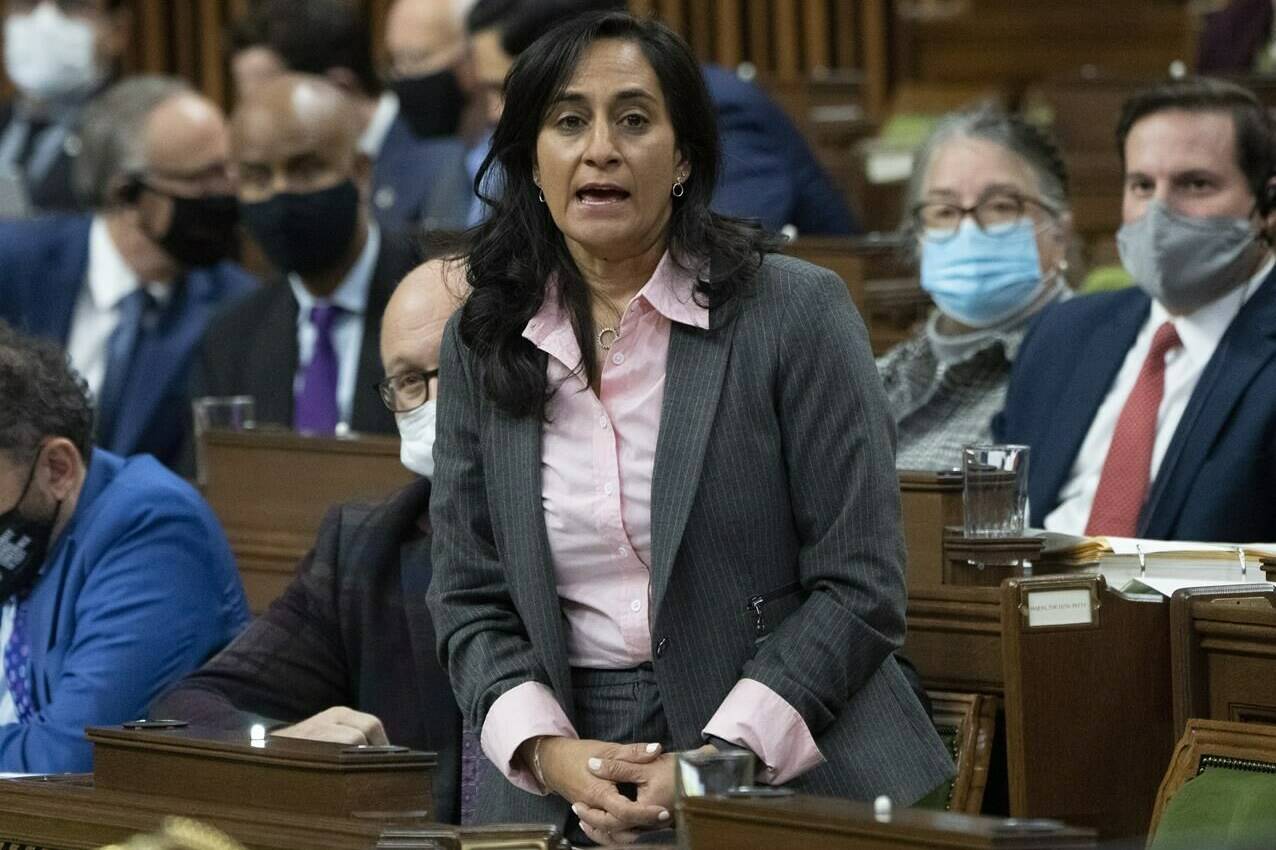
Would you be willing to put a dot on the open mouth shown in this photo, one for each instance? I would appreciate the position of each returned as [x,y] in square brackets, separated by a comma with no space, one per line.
[599,195]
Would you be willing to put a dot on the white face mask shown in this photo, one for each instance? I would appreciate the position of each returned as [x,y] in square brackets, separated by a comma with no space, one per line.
[49,55]
[416,435]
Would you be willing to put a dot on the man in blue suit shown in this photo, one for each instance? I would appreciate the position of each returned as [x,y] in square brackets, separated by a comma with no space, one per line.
[768,171]
[130,289]
[1151,412]
[411,127]
[115,578]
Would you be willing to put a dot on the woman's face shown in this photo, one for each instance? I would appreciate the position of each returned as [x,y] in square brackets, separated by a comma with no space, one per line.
[966,171]
[606,157]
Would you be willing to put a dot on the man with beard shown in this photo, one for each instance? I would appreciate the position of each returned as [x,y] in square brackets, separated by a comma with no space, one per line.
[130,289]
[305,348]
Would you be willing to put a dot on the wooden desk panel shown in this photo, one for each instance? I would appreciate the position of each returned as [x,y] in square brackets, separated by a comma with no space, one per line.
[1088,709]
[271,489]
[803,823]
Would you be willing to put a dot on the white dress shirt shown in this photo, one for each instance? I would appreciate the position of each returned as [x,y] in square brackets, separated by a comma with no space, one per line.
[373,137]
[347,331]
[109,281]
[1200,333]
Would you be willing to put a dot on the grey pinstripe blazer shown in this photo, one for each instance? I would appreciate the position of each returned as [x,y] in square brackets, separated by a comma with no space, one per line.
[774,476]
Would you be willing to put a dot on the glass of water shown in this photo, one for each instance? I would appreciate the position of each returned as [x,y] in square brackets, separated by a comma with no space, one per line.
[995,496]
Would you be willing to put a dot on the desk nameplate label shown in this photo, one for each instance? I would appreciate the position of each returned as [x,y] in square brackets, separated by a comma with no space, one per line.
[1072,606]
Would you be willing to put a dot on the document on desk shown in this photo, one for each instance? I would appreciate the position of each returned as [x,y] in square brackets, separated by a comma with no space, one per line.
[1166,585]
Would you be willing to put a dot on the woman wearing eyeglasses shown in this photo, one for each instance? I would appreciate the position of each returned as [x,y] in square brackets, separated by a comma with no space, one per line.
[989,208]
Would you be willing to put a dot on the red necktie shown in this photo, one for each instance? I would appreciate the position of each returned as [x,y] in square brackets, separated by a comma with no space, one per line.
[1124,483]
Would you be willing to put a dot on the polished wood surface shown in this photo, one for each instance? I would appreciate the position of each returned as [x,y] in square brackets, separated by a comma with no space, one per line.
[803,823]
[1223,649]
[1220,739]
[1088,722]
[228,768]
[271,490]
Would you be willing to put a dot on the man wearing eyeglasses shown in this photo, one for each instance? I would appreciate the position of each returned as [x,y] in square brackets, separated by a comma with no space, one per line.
[58,54]
[1151,412]
[347,654]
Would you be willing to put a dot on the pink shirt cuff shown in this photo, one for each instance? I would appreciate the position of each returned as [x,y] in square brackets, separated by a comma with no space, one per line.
[522,712]
[756,717]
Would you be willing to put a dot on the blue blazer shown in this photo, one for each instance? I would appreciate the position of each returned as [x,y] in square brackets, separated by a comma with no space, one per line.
[1218,478]
[139,590]
[44,265]
[768,171]
[420,182]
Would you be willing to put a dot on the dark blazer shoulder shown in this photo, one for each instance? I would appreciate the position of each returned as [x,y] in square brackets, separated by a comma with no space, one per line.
[396,518]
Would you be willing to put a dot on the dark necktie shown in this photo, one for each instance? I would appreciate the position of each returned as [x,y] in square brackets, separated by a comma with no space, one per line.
[119,358]
[1123,484]
[316,404]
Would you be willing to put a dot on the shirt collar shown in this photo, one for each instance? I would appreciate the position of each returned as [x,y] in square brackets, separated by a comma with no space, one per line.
[1201,330]
[670,291]
[351,295]
[110,279]
[378,128]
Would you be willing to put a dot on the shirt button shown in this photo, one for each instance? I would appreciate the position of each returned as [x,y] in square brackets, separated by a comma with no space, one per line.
[608,488]
[618,358]
[624,553]
[635,606]
[602,422]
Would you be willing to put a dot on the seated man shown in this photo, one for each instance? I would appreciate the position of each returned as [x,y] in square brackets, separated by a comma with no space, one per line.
[115,578]
[410,130]
[305,348]
[347,652]
[1151,412]
[129,290]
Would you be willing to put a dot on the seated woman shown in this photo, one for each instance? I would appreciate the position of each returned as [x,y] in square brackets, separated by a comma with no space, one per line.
[989,207]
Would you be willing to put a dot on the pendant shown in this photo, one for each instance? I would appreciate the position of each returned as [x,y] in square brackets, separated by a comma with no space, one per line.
[607,338]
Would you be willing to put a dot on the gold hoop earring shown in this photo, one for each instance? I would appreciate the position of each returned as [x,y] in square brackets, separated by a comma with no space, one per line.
[540,196]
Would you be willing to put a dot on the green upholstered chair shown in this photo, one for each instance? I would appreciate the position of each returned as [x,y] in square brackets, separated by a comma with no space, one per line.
[1220,790]
[965,723]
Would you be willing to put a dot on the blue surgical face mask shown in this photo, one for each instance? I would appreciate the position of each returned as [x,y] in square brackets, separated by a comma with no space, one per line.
[981,278]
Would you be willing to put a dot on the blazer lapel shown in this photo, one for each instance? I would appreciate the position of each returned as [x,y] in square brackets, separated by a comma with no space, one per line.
[272,366]
[693,384]
[1247,346]
[1092,377]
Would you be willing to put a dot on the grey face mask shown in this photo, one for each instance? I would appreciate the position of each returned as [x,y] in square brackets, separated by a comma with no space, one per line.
[1185,262]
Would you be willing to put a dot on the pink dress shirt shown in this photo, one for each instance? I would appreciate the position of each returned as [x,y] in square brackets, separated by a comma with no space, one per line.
[597,457]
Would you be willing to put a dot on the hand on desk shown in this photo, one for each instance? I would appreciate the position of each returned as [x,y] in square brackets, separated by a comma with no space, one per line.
[340,725]
[655,782]
[606,815]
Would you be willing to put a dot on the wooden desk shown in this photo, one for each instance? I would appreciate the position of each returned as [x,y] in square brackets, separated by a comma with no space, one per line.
[275,794]
[1223,647]
[271,489]
[802,823]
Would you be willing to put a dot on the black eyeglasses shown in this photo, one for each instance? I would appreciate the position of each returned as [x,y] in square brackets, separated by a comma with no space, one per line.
[406,390]
[936,221]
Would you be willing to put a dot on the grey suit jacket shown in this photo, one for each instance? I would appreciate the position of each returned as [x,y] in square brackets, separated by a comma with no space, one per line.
[774,476]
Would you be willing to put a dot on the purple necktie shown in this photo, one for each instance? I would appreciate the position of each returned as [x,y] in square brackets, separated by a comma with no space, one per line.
[17,664]
[316,410]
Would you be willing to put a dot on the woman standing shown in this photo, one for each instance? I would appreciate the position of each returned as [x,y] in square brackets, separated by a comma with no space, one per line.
[665,506]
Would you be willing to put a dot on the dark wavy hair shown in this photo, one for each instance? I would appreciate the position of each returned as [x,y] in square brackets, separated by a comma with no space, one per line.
[518,249]
[43,397]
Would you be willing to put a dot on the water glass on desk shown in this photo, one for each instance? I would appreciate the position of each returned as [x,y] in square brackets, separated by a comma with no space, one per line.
[995,494]
[219,413]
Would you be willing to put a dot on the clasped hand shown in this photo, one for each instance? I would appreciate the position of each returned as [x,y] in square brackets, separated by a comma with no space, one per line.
[586,773]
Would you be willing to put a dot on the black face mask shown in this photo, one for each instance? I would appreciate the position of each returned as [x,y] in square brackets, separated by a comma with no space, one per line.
[305,232]
[202,231]
[431,104]
[24,543]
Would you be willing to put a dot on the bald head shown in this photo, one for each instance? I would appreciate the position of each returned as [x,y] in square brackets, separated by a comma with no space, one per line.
[412,328]
[424,36]
[295,132]
[185,135]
